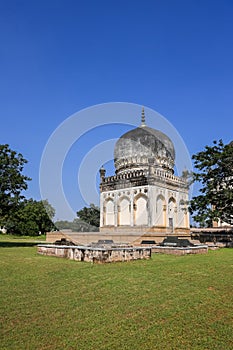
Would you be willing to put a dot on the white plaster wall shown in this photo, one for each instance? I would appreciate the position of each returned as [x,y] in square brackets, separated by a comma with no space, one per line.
[101,210]
[121,209]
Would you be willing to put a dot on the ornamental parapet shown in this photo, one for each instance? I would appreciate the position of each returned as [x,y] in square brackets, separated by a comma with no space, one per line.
[141,178]
[131,179]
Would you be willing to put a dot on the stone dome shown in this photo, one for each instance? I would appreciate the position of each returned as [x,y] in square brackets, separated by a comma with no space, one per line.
[137,148]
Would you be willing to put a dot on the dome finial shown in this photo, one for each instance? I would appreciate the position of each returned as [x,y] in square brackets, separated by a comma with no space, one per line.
[143,120]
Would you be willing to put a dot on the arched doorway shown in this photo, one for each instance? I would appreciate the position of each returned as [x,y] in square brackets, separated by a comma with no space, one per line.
[172,213]
[124,211]
[109,213]
[160,211]
[140,211]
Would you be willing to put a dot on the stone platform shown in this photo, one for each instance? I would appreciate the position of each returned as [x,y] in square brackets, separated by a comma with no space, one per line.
[199,249]
[95,254]
[118,237]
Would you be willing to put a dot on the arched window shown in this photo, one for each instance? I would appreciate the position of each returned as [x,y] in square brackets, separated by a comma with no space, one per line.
[180,218]
[171,206]
[172,213]
[160,215]
[124,211]
[109,212]
[140,210]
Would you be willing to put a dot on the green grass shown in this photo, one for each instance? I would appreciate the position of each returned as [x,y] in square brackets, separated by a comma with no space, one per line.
[20,241]
[168,302]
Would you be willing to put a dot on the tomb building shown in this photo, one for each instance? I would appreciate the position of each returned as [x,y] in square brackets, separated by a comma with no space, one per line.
[144,196]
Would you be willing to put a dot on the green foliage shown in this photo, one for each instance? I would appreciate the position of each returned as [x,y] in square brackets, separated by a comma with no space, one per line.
[12,181]
[79,225]
[31,218]
[168,302]
[63,224]
[18,215]
[90,215]
[76,225]
[215,173]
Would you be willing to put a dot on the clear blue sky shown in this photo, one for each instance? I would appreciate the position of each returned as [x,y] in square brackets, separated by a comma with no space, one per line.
[58,57]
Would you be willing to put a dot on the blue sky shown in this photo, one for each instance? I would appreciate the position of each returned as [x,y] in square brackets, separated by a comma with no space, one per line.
[59,57]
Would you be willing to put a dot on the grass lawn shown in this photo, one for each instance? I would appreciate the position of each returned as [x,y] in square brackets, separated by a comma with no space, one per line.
[168,302]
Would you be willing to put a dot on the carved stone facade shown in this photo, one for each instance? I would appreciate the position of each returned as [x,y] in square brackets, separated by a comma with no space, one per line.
[144,195]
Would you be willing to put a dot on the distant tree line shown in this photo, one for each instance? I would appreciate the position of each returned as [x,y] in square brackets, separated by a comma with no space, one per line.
[88,219]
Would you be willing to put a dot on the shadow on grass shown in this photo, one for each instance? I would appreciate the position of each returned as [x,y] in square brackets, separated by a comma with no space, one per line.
[17,244]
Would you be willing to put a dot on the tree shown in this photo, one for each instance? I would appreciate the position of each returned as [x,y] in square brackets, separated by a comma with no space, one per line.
[90,215]
[63,225]
[12,181]
[215,173]
[32,218]
[79,225]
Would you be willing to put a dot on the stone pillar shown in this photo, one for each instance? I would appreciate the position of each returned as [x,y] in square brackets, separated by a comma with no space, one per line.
[101,210]
[186,218]
[175,218]
[150,206]
[115,211]
[102,176]
[165,215]
[151,164]
[131,209]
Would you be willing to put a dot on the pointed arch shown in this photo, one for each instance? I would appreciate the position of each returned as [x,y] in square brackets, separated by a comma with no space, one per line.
[124,211]
[109,212]
[180,214]
[172,213]
[171,206]
[160,211]
[141,210]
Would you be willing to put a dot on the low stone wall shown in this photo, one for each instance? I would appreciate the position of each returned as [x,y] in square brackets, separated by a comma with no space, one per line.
[95,255]
[118,237]
[202,249]
[86,238]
